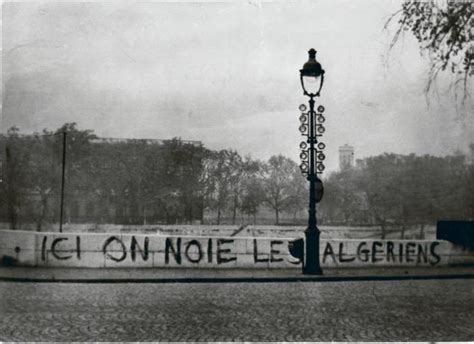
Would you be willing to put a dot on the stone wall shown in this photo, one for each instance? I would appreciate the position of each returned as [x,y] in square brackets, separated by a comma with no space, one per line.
[24,248]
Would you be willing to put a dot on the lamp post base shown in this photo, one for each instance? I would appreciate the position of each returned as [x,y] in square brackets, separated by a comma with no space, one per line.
[314,271]
[311,265]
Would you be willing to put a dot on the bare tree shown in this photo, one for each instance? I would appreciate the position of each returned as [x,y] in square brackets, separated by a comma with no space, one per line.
[278,183]
[444,32]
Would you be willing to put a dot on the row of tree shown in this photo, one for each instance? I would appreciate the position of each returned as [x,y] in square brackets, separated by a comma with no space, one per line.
[137,181]
[401,190]
[174,181]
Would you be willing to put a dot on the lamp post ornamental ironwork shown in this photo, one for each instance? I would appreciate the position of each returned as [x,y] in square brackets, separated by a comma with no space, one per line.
[312,79]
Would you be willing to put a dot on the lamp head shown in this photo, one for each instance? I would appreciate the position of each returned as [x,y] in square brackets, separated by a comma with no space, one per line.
[312,75]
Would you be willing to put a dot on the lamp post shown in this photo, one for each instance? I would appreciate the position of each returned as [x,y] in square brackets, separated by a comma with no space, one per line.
[63,176]
[312,78]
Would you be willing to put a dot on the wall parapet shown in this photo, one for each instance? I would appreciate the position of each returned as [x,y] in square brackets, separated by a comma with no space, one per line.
[90,250]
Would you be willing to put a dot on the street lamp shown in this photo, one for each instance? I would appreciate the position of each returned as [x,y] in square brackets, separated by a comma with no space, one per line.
[312,79]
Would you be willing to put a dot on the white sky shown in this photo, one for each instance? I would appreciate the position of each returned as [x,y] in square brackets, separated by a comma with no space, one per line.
[226,74]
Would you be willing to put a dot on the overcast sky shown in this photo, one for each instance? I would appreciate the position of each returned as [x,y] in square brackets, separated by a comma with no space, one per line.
[226,74]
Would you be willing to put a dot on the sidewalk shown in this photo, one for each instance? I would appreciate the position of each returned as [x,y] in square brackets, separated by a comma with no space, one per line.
[183,275]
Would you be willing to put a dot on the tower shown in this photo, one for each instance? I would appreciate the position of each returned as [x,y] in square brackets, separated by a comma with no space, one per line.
[346,157]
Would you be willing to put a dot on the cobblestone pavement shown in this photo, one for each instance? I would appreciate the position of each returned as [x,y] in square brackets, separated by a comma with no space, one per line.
[306,311]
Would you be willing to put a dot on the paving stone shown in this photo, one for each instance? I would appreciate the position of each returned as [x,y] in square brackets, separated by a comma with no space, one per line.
[431,310]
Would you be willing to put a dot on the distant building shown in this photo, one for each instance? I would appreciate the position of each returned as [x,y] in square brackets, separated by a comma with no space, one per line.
[147,141]
[346,157]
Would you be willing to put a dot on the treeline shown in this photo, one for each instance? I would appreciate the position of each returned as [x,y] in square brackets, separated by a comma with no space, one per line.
[138,181]
[401,191]
[175,181]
